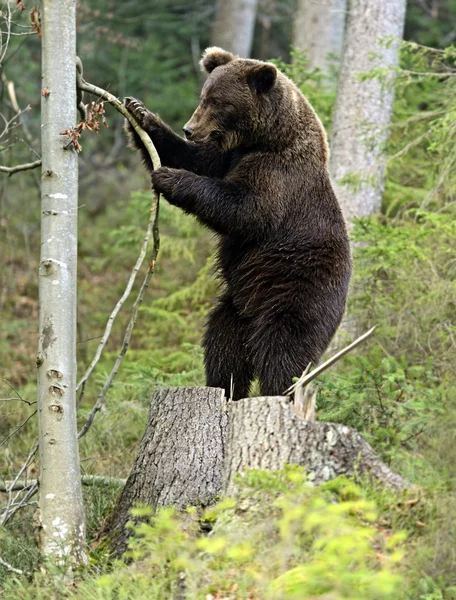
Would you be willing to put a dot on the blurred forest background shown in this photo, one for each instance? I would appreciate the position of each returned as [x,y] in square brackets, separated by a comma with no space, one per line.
[398,391]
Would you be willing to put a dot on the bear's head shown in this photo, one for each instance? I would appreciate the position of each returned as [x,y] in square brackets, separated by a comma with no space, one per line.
[250,103]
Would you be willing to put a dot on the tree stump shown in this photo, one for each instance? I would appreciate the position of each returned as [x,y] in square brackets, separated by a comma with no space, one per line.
[265,433]
[196,443]
[180,457]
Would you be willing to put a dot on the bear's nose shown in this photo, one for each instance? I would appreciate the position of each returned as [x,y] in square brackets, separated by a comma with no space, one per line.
[187,131]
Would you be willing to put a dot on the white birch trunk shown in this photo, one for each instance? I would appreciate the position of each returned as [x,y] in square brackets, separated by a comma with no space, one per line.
[61,511]
[234,25]
[363,108]
[318,29]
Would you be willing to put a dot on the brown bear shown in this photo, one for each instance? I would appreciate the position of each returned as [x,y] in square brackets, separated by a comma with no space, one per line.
[254,169]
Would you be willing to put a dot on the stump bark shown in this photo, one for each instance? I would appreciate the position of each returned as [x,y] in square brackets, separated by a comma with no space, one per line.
[180,457]
[196,443]
[265,433]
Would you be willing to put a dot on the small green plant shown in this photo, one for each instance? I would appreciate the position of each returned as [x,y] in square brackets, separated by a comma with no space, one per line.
[280,539]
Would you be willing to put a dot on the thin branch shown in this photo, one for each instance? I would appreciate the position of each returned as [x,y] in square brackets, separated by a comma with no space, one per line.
[151,231]
[447,167]
[409,146]
[307,378]
[14,103]
[426,73]
[15,118]
[8,34]
[134,313]
[28,460]
[13,508]
[18,396]
[13,399]
[421,116]
[124,297]
[92,89]
[20,485]
[17,168]
[88,480]
[24,33]
[3,563]
[18,428]
[101,93]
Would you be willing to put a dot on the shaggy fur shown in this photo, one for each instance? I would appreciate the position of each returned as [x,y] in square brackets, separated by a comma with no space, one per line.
[254,170]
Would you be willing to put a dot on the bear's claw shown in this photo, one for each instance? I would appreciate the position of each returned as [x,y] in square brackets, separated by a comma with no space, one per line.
[137,109]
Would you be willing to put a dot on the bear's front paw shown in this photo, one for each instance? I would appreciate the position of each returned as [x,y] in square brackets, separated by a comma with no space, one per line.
[165,181]
[143,116]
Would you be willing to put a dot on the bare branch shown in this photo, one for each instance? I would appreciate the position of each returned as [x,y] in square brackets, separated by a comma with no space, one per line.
[96,91]
[13,99]
[18,428]
[14,507]
[151,231]
[18,396]
[134,313]
[24,33]
[12,120]
[20,485]
[88,480]
[307,378]
[3,563]
[17,168]
[426,73]
[4,47]
[125,295]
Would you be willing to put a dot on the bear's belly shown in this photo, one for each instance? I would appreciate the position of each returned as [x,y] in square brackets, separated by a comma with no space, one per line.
[277,279]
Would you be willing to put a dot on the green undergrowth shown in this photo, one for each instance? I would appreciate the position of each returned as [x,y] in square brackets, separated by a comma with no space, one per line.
[402,382]
[280,538]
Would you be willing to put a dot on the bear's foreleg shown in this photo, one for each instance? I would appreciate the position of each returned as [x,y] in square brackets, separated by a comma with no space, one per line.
[226,207]
[225,351]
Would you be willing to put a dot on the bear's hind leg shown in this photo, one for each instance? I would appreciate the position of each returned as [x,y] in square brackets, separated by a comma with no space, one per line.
[281,350]
[225,351]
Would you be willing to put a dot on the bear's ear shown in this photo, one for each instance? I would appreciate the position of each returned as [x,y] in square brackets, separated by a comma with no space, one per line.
[262,78]
[215,57]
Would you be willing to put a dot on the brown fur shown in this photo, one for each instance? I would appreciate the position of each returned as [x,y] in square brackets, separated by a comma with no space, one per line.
[255,171]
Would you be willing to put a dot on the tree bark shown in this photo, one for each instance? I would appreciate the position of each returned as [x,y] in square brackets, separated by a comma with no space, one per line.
[195,443]
[265,433]
[363,108]
[180,457]
[61,511]
[318,28]
[234,25]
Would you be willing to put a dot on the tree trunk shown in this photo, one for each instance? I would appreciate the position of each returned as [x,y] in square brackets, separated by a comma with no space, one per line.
[234,25]
[363,109]
[195,443]
[180,457]
[61,511]
[318,29]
